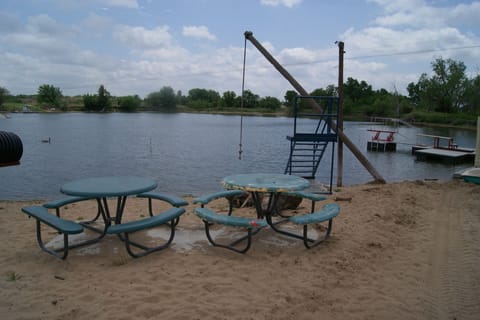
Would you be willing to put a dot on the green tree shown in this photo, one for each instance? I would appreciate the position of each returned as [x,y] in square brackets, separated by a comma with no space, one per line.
[203,99]
[250,100]
[228,99]
[445,90]
[129,103]
[90,102]
[472,96]
[180,99]
[290,97]
[162,100]
[384,105]
[357,95]
[450,79]
[50,95]
[270,103]
[168,99]
[3,95]
[104,100]
[357,92]
[153,100]
[100,102]
[329,91]
[414,93]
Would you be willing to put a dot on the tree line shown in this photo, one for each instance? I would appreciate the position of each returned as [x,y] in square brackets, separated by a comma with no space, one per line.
[448,90]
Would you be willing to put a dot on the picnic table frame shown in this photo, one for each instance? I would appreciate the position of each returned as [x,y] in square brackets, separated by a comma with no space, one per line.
[258,184]
[102,188]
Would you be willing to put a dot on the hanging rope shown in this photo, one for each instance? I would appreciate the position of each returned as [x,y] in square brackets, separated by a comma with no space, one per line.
[240,151]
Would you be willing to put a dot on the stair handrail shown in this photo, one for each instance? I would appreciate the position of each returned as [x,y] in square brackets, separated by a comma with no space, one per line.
[326,116]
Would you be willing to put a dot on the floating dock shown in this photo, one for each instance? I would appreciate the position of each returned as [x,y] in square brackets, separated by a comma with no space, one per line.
[443,154]
[443,149]
[381,143]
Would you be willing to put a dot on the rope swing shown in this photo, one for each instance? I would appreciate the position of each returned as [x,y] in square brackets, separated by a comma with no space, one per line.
[240,151]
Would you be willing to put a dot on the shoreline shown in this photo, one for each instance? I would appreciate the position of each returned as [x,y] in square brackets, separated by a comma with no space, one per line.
[257,114]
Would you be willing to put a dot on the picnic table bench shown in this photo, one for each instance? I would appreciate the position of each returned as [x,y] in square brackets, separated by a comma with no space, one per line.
[211,216]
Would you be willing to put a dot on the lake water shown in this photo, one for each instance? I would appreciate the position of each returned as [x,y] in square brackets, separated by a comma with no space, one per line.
[188,153]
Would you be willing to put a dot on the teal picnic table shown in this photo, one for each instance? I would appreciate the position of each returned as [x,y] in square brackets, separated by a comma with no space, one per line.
[259,184]
[102,188]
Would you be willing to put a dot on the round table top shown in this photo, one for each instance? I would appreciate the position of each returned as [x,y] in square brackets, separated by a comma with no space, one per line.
[265,182]
[113,186]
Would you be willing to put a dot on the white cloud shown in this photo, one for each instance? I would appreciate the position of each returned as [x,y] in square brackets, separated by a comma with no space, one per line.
[409,45]
[97,22]
[42,37]
[43,24]
[286,3]
[198,32]
[79,55]
[465,14]
[399,5]
[9,23]
[295,55]
[121,3]
[75,5]
[407,39]
[417,13]
[140,38]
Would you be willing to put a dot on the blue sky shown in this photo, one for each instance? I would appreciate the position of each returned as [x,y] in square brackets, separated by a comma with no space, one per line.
[139,46]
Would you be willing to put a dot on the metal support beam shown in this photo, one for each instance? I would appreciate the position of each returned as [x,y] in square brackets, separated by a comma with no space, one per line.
[363,160]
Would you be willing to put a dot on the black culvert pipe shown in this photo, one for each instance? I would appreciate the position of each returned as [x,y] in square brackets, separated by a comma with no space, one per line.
[11,149]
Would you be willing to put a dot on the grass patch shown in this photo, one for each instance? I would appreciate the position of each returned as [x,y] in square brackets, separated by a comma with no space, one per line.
[13,276]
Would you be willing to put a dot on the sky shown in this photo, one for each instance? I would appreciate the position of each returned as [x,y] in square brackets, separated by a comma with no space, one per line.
[139,46]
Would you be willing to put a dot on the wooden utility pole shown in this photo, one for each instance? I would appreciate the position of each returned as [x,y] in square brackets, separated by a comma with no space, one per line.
[341,52]
[363,160]
[477,152]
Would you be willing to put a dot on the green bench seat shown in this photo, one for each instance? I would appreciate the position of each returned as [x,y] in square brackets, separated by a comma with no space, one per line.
[58,203]
[162,196]
[327,213]
[66,227]
[227,194]
[173,200]
[205,199]
[306,195]
[125,229]
[314,197]
[212,217]
[62,225]
[146,223]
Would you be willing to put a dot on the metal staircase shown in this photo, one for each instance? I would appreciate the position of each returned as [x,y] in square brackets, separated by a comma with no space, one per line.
[312,132]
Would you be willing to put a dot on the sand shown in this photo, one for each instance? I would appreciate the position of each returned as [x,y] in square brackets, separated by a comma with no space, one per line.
[408,250]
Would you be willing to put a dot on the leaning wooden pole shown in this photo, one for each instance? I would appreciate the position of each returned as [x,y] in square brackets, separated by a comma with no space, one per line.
[363,160]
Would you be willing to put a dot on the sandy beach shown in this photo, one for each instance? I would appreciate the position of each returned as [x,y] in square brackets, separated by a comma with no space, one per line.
[408,250]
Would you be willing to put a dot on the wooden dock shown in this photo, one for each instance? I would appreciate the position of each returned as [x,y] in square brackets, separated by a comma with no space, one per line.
[443,149]
[446,155]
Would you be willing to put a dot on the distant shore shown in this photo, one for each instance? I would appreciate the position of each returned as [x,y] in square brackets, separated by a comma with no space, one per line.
[282,113]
